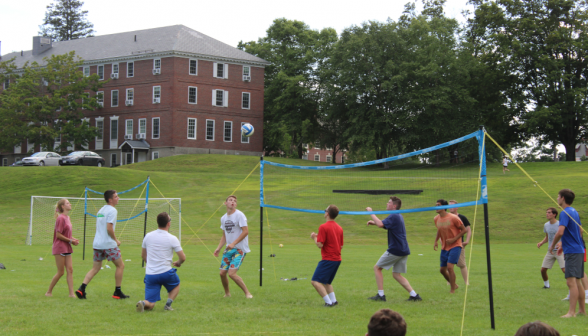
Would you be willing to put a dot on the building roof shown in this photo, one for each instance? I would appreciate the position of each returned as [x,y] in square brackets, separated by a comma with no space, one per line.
[156,42]
[135,144]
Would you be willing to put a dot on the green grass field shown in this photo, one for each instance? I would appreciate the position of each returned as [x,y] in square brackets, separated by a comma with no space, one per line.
[283,307]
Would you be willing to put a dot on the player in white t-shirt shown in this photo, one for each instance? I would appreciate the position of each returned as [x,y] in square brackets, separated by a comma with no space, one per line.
[158,252]
[106,246]
[234,225]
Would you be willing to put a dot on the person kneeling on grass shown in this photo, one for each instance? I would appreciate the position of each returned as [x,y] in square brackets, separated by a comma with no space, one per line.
[450,229]
[386,322]
[330,241]
[158,252]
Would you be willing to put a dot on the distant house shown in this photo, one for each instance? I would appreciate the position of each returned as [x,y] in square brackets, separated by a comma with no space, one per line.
[172,90]
[581,151]
[317,153]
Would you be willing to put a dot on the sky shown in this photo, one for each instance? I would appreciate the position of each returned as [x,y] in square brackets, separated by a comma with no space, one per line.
[228,21]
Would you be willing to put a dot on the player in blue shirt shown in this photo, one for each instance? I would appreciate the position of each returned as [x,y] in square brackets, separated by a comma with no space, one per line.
[570,232]
[397,254]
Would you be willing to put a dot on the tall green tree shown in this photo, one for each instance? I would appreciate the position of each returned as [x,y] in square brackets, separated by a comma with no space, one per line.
[541,47]
[45,103]
[293,85]
[65,20]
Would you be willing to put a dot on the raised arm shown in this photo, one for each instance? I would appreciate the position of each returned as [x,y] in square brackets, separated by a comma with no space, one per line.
[314,236]
[375,220]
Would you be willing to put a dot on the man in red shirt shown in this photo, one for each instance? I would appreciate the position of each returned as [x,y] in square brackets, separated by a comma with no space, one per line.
[330,241]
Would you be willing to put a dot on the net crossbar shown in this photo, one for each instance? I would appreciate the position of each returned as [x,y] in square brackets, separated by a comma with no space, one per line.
[447,171]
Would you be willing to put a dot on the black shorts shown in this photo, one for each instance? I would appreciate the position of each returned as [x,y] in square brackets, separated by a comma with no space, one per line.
[574,265]
[325,271]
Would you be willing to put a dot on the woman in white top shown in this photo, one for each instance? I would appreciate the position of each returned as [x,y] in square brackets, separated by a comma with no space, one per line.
[504,165]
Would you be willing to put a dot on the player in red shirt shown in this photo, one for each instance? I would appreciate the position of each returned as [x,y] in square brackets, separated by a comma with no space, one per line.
[330,241]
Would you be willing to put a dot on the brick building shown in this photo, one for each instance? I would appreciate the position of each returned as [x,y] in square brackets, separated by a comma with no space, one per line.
[316,153]
[172,90]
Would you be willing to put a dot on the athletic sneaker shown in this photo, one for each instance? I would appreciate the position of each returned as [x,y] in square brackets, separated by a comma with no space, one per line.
[567,298]
[378,297]
[140,306]
[80,294]
[545,287]
[328,305]
[166,307]
[335,303]
[118,294]
[415,298]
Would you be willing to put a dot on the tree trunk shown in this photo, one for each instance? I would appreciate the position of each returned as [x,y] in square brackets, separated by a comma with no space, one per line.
[570,150]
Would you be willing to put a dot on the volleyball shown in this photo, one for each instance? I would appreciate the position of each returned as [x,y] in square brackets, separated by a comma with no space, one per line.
[247,130]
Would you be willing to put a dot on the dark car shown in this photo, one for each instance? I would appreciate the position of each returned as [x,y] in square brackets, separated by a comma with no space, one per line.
[82,158]
[16,164]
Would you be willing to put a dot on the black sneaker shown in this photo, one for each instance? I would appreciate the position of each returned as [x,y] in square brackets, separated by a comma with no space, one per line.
[80,294]
[328,305]
[118,294]
[335,303]
[545,287]
[415,298]
[378,297]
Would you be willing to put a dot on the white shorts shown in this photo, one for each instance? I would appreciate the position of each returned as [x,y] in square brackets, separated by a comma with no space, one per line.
[549,260]
[397,263]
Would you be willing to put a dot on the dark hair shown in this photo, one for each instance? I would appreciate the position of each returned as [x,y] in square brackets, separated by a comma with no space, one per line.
[396,201]
[109,194]
[386,322]
[233,196]
[333,211]
[553,211]
[442,202]
[162,219]
[567,195]
[537,328]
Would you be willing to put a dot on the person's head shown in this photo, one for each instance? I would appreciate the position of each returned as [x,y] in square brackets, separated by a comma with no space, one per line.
[565,196]
[386,322]
[441,202]
[111,197]
[537,328]
[551,213]
[163,219]
[394,203]
[62,206]
[332,212]
[231,203]
[453,210]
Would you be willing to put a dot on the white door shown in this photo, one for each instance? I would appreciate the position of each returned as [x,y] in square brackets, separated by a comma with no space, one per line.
[142,156]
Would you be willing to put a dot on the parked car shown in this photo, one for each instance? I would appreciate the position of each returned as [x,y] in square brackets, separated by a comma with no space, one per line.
[42,159]
[82,158]
[17,164]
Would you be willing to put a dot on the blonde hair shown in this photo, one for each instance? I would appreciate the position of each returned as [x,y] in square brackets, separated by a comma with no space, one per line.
[59,207]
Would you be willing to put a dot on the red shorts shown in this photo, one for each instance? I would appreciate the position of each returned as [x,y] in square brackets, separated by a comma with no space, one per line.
[108,254]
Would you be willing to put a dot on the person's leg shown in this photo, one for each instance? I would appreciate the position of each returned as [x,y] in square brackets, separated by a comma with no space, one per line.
[443,271]
[173,294]
[443,264]
[379,277]
[402,281]
[118,274]
[581,297]
[225,282]
[149,305]
[544,274]
[320,288]
[451,275]
[237,279]
[573,286]
[463,267]
[59,262]
[69,269]
[91,273]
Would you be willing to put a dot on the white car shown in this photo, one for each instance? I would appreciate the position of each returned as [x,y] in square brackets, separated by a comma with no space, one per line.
[42,159]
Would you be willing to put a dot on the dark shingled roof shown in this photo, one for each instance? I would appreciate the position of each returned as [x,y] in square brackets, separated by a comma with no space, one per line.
[156,42]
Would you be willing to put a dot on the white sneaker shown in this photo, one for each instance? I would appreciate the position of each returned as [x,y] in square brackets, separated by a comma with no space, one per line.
[140,306]
[567,298]
[166,307]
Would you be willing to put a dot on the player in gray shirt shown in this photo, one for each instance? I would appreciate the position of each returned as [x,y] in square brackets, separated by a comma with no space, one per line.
[550,228]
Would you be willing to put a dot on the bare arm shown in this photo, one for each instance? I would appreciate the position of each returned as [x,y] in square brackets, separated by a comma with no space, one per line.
[144,254]
[61,237]
[436,241]
[314,236]
[241,237]
[375,220]
[468,236]
[110,230]
[560,232]
[459,235]
[543,241]
[222,242]
[182,259]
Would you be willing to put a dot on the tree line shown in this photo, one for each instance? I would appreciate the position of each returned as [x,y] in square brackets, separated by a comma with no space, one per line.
[382,88]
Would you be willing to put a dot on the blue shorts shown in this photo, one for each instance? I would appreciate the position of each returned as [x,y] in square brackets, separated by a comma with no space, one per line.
[325,271]
[153,283]
[451,256]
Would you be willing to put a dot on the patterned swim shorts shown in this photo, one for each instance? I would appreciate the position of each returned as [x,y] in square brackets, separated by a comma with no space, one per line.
[108,254]
[232,259]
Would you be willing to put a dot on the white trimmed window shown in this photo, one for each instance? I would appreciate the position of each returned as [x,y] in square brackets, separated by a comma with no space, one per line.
[244,139]
[100,98]
[157,63]
[130,96]
[220,70]
[115,68]
[209,129]
[220,98]
[100,136]
[86,71]
[192,94]
[154,155]
[245,100]
[156,94]
[193,69]
[155,128]
[317,157]
[130,69]
[143,128]
[114,132]
[246,73]
[100,72]
[228,136]
[329,158]
[317,144]
[192,128]
[114,98]
[129,129]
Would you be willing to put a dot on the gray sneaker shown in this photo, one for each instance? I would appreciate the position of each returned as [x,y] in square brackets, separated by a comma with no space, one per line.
[166,307]
[140,306]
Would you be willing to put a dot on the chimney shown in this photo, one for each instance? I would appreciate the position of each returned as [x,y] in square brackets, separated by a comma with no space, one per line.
[41,44]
